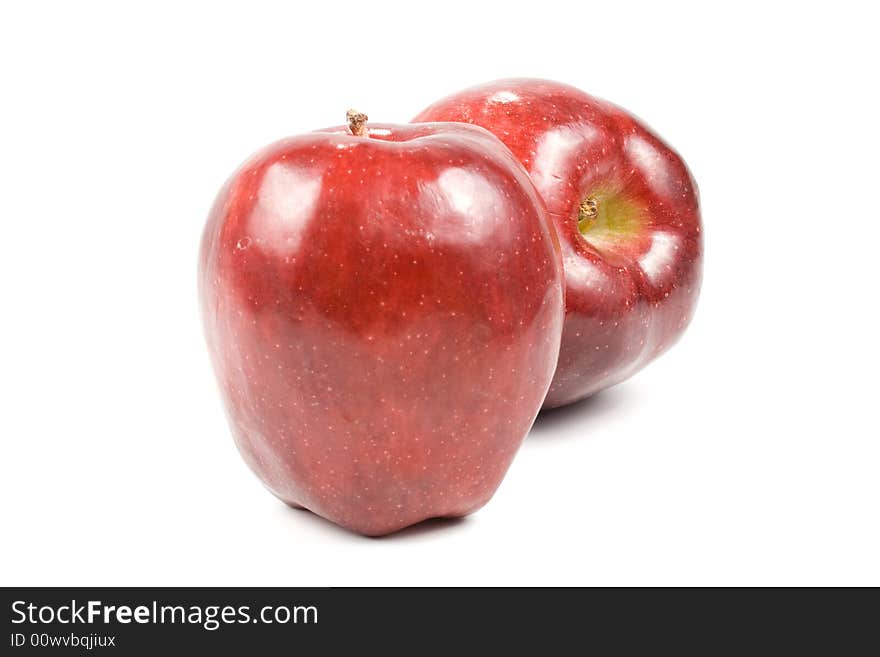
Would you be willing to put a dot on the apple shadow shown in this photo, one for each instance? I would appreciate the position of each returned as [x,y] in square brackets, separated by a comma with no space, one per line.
[423,528]
[583,414]
[426,527]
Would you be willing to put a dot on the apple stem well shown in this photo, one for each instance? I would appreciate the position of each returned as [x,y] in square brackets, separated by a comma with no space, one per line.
[357,122]
[607,216]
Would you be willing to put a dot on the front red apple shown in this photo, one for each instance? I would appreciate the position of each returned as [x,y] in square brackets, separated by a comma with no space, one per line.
[383,311]
[627,214]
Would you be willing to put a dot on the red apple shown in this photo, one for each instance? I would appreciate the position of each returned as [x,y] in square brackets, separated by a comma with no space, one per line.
[383,308]
[627,214]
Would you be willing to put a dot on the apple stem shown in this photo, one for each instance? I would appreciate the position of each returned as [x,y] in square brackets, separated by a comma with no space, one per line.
[587,213]
[588,209]
[357,122]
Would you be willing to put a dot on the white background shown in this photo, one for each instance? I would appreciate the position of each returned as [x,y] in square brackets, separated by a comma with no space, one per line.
[747,455]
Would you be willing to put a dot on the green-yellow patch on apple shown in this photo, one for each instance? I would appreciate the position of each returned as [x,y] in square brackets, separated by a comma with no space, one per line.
[607,217]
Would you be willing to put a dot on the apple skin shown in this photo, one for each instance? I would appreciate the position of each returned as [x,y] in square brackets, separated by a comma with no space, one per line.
[632,271]
[383,315]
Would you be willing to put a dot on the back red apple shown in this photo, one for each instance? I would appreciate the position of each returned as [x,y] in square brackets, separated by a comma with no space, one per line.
[627,213]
